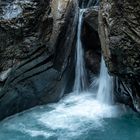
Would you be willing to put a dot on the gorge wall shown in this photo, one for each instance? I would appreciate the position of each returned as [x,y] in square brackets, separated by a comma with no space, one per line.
[37,48]
[38,44]
[119,30]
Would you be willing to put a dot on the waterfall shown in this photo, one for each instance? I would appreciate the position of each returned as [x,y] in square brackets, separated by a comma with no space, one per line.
[105,89]
[80,71]
[81,82]
[88,116]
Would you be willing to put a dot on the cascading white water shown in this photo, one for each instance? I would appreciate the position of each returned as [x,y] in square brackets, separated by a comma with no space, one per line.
[73,117]
[105,89]
[70,118]
[75,114]
[80,83]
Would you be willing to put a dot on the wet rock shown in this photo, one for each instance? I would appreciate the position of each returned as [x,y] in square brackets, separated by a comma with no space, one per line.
[91,40]
[119,30]
[39,44]
[87,3]
[4,75]
[93,60]
[91,17]
[15,28]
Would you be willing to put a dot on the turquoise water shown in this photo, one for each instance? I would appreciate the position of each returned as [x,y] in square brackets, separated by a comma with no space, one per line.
[121,128]
[76,117]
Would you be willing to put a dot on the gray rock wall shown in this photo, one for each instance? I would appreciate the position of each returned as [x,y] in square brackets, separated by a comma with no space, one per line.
[39,45]
[119,30]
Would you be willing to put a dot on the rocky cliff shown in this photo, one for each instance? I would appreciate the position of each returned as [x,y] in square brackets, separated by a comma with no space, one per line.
[38,43]
[37,49]
[119,30]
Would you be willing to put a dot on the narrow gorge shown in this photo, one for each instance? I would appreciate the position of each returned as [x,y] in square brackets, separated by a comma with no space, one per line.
[69,70]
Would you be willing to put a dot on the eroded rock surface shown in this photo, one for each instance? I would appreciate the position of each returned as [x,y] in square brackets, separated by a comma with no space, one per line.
[37,41]
[119,29]
[91,41]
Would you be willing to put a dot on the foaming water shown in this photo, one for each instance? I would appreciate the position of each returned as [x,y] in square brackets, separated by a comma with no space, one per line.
[105,89]
[74,109]
[83,116]
[70,118]
[80,70]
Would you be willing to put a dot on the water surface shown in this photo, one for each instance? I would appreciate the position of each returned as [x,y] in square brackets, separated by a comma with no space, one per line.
[76,117]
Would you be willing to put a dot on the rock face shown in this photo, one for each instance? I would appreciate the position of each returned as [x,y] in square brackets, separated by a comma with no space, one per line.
[91,17]
[91,40]
[119,30]
[37,49]
[37,41]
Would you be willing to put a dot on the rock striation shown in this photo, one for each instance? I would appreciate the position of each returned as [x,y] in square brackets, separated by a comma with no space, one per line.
[37,42]
[119,31]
